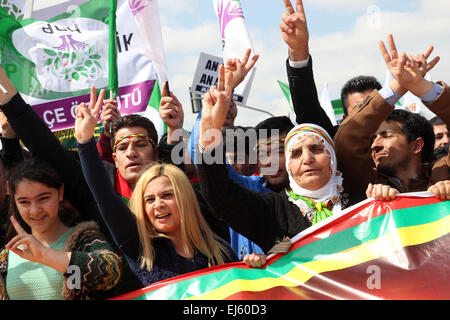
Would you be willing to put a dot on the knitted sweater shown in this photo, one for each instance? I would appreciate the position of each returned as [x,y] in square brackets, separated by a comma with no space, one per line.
[100,268]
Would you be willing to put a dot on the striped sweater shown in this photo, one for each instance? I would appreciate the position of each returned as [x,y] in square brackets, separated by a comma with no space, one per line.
[100,268]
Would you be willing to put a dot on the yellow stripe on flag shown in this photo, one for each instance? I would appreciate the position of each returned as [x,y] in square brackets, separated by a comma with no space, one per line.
[374,249]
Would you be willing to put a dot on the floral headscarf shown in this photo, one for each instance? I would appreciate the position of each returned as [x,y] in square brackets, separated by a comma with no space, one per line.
[322,203]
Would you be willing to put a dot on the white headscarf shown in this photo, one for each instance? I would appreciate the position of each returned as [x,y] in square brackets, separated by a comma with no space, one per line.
[333,189]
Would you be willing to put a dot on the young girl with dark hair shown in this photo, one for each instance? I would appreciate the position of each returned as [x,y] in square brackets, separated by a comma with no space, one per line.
[47,256]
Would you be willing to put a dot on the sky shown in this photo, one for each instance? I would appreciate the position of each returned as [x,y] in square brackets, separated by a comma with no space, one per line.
[344,37]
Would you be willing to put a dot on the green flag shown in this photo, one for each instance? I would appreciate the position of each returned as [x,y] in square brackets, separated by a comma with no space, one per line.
[285,88]
[155,100]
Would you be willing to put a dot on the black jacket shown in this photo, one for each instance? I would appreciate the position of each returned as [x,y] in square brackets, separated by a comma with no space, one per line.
[264,218]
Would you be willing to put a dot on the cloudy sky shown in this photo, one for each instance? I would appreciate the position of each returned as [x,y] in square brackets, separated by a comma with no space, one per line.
[343,42]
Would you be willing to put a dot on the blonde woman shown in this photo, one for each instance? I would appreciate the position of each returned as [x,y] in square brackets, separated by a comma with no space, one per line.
[162,234]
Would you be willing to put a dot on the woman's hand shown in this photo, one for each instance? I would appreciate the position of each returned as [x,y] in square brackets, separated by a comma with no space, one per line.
[255,260]
[31,250]
[87,117]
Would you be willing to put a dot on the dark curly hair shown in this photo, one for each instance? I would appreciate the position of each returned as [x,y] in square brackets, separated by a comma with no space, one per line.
[415,126]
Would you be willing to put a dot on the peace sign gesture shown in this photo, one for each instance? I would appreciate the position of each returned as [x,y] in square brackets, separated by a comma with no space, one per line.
[240,68]
[215,107]
[31,250]
[87,117]
[408,70]
[294,30]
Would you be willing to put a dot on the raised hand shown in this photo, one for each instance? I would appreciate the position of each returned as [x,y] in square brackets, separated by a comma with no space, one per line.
[215,107]
[240,68]
[31,250]
[34,250]
[421,60]
[6,86]
[109,113]
[294,30]
[7,131]
[408,71]
[171,112]
[87,117]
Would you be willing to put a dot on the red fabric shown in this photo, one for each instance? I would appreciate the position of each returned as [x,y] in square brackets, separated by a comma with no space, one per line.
[104,148]
[122,186]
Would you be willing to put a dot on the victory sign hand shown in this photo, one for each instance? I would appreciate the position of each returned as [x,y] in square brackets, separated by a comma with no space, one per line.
[294,30]
[240,68]
[31,250]
[215,107]
[87,117]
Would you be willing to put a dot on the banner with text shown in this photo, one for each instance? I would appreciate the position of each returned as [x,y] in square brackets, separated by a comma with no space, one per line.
[206,76]
[54,62]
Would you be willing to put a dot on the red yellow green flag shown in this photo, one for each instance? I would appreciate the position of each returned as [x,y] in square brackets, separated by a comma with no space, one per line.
[374,250]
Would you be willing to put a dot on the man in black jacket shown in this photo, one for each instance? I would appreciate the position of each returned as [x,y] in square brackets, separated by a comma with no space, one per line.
[299,65]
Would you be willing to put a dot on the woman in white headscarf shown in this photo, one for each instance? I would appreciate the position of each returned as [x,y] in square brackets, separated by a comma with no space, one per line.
[315,182]
[268,219]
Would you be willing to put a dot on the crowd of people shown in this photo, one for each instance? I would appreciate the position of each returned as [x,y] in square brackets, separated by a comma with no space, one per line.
[120,214]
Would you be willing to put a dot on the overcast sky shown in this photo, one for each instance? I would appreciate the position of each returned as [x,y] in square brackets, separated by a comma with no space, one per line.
[343,43]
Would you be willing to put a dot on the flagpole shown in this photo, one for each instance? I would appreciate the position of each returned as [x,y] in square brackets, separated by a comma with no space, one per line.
[113,82]
[113,78]
[256,109]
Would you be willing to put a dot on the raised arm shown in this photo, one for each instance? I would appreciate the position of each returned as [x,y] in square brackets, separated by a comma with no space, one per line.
[11,153]
[352,140]
[262,218]
[305,101]
[118,218]
[42,143]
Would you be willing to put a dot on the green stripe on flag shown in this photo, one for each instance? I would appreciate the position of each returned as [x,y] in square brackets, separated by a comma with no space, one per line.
[318,250]
[336,103]
[155,99]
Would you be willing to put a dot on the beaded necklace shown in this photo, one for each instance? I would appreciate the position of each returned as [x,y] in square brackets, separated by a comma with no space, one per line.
[322,210]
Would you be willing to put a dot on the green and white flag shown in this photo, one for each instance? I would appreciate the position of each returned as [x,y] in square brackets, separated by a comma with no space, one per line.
[54,62]
[18,9]
[235,40]
[326,105]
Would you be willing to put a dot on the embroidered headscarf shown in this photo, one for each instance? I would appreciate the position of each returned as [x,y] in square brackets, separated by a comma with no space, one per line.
[322,203]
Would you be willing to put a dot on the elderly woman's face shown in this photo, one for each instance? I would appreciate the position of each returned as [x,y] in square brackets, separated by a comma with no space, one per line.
[309,164]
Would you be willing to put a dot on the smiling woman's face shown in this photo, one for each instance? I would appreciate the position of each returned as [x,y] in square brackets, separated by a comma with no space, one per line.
[161,206]
[38,205]
[309,164]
